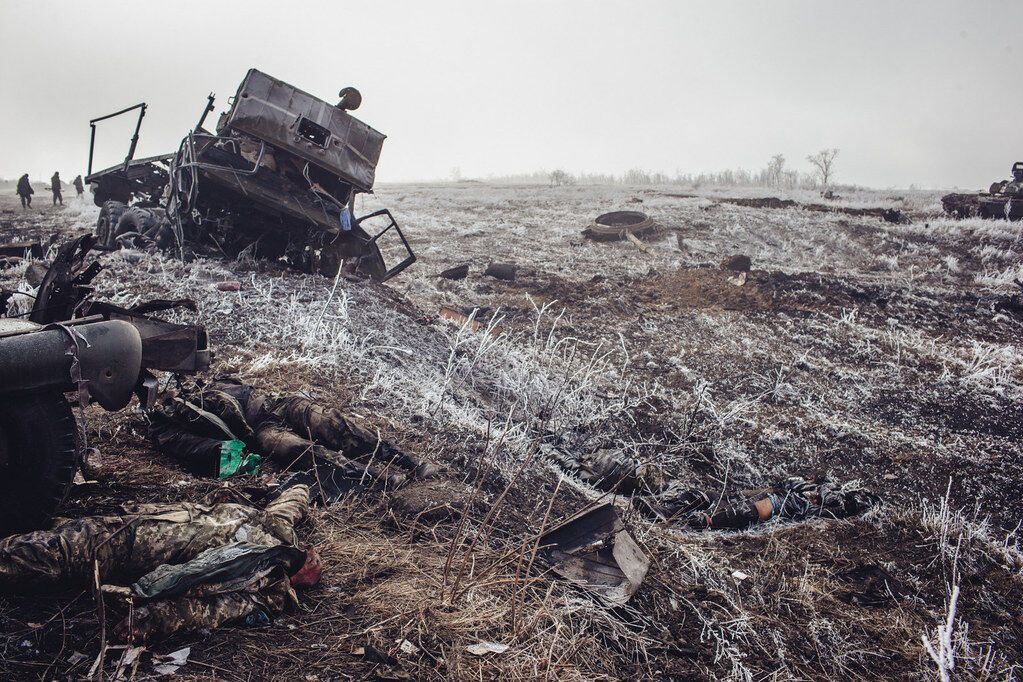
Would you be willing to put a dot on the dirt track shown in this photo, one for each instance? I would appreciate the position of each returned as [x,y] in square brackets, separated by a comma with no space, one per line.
[856,348]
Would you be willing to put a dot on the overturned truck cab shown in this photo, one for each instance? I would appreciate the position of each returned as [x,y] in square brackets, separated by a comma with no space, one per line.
[276,180]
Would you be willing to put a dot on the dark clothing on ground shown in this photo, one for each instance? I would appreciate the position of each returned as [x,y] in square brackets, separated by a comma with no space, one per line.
[25,191]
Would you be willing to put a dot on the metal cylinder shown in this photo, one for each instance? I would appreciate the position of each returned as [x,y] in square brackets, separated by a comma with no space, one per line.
[109,358]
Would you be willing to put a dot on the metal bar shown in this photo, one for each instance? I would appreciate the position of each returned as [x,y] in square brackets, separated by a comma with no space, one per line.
[92,144]
[135,137]
[209,107]
[117,113]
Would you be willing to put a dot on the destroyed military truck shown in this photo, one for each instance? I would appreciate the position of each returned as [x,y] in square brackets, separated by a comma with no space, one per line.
[91,351]
[1003,200]
[276,180]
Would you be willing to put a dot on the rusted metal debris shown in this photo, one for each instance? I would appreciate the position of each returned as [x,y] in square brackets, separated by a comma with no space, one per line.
[457,272]
[277,179]
[736,263]
[618,225]
[596,551]
[503,271]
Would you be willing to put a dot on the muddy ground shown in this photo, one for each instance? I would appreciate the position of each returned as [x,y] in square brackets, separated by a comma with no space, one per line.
[869,351]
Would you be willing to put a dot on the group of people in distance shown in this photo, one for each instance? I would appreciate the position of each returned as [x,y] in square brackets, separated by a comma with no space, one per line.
[25,190]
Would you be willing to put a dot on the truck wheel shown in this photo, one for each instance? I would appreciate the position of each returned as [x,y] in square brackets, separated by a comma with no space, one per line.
[37,459]
[109,215]
[144,222]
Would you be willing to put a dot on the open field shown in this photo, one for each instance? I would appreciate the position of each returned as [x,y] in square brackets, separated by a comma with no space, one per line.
[868,351]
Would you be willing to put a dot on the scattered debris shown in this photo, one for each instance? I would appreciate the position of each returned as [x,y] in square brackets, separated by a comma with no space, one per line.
[737,263]
[76,657]
[595,550]
[32,250]
[872,585]
[505,271]
[739,279]
[484,648]
[457,272]
[889,215]
[617,225]
[170,663]
[639,245]
[470,316]
[230,285]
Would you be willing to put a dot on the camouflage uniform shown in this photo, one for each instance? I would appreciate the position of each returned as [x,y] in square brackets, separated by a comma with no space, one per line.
[296,429]
[607,470]
[149,536]
[793,499]
[208,608]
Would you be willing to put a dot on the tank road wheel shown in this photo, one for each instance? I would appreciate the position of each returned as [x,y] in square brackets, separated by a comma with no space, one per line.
[37,459]
[109,215]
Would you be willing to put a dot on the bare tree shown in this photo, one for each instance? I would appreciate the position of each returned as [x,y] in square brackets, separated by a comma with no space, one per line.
[824,165]
[560,177]
[775,170]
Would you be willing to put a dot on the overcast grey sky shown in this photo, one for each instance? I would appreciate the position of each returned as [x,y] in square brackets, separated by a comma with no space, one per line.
[912,92]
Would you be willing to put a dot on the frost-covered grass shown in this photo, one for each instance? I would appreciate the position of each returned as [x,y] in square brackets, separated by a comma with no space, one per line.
[859,349]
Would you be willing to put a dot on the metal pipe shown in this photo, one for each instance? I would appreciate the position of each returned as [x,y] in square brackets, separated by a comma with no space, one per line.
[135,137]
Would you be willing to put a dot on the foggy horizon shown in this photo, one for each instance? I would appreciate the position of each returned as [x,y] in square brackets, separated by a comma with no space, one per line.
[912,94]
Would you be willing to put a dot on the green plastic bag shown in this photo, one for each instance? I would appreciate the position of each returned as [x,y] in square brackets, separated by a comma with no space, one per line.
[233,460]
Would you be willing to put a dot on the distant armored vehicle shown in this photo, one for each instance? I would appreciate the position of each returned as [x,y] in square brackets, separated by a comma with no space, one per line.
[1003,200]
[277,180]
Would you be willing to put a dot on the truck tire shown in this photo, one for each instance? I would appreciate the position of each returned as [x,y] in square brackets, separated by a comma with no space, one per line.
[38,448]
[109,215]
[136,219]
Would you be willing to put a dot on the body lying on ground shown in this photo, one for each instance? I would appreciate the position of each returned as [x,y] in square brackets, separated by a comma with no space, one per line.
[190,565]
[293,431]
[793,498]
